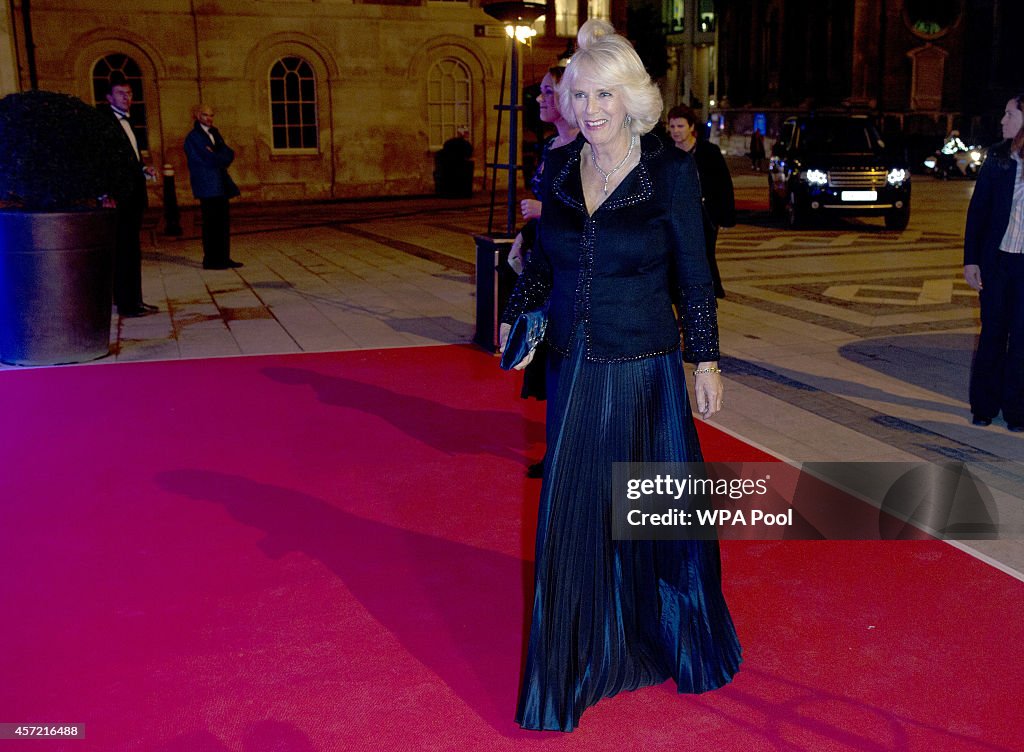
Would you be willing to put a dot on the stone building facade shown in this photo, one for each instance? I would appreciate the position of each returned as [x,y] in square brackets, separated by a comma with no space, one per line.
[924,66]
[319,98]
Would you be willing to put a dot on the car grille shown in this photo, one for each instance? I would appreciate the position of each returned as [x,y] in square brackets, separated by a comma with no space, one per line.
[858,179]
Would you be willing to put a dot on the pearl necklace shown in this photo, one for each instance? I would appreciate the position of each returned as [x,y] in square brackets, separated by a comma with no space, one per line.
[616,168]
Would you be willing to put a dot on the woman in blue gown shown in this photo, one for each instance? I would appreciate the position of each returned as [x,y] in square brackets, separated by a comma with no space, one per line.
[619,238]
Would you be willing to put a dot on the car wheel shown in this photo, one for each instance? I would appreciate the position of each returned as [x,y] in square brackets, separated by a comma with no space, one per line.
[897,219]
[794,215]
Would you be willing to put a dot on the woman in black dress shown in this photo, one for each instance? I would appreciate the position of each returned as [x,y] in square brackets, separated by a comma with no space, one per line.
[534,376]
[619,237]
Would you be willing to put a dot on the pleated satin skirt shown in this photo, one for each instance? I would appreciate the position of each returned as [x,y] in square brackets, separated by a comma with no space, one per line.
[612,615]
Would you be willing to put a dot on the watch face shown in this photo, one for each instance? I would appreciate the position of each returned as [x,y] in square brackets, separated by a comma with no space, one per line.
[931,19]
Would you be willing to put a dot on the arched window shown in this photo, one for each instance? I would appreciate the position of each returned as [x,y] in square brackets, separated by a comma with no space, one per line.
[118,65]
[449,100]
[293,117]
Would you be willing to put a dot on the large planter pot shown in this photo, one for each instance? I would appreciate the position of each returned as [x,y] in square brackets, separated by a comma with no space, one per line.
[56,280]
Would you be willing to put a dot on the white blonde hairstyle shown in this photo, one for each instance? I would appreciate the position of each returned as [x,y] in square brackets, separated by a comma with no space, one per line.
[608,58]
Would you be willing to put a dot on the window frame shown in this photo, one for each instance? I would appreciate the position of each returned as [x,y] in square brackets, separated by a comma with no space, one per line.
[301,102]
[138,117]
[447,129]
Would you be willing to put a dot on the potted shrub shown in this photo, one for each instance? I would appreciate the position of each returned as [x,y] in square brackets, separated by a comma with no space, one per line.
[56,242]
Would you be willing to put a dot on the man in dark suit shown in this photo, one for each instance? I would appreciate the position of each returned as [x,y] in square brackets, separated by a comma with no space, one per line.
[717,198]
[131,202]
[208,161]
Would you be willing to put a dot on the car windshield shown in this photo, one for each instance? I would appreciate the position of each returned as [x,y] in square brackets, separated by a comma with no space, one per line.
[836,136]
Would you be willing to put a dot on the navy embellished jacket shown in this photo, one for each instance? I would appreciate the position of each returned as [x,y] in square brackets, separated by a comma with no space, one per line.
[614,272]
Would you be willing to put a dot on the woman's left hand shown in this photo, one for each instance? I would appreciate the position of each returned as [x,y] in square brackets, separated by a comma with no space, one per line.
[708,389]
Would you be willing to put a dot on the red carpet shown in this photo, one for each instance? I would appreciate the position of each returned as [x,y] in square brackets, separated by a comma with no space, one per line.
[328,552]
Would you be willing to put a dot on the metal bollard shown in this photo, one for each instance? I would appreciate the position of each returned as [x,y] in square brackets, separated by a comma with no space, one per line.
[172,215]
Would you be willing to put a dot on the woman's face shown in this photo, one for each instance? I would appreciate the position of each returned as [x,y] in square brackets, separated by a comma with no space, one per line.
[1012,120]
[548,100]
[600,112]
[680,130]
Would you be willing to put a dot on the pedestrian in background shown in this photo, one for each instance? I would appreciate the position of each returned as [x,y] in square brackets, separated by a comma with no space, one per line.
[535,374]
[717,198]
[208,161]
[757,154]
[994,266]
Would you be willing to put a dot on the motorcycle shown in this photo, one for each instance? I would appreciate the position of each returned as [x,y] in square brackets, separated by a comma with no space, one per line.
[955,159]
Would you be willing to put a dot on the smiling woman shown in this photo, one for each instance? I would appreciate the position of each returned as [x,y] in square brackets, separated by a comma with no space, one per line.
[620,238]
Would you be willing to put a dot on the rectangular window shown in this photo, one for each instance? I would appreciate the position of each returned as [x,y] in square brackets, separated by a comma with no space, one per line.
[449,100]
[566,18]
[293,109]
[599,9]
[676,16]
[707,15]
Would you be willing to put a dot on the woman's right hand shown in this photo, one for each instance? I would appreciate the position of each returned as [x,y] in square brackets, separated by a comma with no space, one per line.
[531,208]
[972,273]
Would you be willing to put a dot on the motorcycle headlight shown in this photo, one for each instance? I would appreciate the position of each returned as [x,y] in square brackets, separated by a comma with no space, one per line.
[898,176]
[930,163]
[816,177]
[975,156]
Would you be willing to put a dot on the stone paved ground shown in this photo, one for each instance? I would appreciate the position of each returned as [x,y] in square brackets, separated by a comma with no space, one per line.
[840,343]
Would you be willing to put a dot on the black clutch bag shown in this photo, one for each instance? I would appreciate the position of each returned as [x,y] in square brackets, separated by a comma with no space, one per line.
[527,332]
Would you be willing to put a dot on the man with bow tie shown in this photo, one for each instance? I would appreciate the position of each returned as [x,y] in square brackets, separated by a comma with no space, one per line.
[130,201]
[208,161]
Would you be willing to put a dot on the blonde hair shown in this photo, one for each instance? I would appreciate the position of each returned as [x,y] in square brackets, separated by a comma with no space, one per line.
[604,56]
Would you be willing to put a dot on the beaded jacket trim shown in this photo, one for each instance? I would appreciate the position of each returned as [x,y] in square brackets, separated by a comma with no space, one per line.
[697,302]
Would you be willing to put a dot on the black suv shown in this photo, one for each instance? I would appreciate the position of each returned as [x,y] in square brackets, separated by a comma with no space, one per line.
[836,164]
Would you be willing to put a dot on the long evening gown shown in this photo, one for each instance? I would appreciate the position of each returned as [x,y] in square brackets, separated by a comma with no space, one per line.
[617,615]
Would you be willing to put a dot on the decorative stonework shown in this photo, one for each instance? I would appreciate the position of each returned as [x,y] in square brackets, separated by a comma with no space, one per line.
[369,62]
[929,64]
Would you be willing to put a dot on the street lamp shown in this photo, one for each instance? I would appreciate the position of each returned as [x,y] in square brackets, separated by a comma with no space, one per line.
[494,280]
[518,17]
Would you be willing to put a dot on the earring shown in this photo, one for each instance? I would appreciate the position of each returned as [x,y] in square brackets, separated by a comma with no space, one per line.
[627,121]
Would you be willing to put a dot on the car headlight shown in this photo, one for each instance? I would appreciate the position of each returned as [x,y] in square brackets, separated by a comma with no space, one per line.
[816,177]
[897,176]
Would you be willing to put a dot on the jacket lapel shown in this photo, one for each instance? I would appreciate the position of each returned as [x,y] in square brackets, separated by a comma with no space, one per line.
[636,188]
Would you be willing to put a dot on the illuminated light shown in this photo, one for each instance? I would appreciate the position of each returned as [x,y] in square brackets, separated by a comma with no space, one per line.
[976,156]
[897,176]
[930,163]
[522,34]
[712,103]
[816,177]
